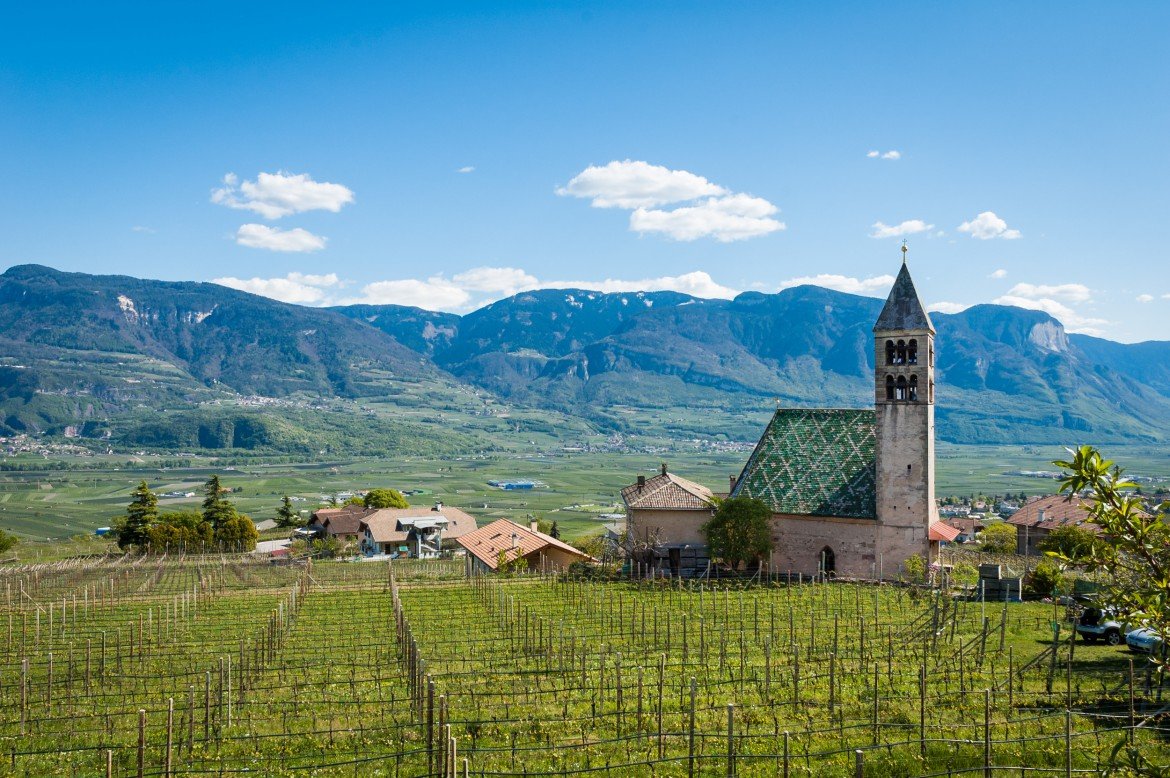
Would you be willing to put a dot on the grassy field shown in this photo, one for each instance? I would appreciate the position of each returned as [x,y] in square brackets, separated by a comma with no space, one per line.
[52,503]
[360,668]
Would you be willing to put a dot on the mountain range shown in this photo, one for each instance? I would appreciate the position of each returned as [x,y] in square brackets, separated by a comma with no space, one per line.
[166,365]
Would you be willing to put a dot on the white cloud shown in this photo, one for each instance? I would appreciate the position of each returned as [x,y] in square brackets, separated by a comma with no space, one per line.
[1001,273]
[987,225]
[636,184]
[1073,293]
[1072,320]
[701,207]
[946,307]
[697,283]
[505,281]
[273,195]
[864,286]
[140,228]
[909,227]
[1145,298]
[1166,297]
[293,288]
[466,169]
[435,294]
[873,154]
[260,236]
[730,218]
[891,154]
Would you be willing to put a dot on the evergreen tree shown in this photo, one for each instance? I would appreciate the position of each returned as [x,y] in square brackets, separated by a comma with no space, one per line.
[555,532]
[140,514]
[285,515]
[216,510]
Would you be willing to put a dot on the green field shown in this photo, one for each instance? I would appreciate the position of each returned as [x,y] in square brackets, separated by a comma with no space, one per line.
[226,665]
[51,503]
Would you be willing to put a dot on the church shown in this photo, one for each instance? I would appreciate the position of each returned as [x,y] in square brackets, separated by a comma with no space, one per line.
[851,490]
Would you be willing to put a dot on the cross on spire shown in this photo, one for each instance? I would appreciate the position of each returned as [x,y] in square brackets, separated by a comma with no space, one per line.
[904,250]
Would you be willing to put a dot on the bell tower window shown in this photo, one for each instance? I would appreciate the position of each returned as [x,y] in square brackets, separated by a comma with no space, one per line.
[900,388]
[889,387]
[889,352]
[913,395]
[900,357]
[912,352]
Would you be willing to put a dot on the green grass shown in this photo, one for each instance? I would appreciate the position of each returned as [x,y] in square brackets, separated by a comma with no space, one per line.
[282,670]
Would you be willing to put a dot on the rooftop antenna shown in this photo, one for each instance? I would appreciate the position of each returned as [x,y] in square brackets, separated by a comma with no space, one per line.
[904,250]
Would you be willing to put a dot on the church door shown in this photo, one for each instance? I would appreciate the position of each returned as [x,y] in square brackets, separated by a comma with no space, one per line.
[828,561]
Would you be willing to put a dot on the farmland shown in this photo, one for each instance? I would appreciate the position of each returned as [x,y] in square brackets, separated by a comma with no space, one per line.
[225,664]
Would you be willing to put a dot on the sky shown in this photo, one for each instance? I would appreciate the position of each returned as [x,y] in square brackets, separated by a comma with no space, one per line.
[445,155]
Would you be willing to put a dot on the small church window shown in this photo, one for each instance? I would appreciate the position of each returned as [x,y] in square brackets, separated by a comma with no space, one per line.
[900,388]
[912,352]
[889,387]
[900,358]
[889,352]
[913,396]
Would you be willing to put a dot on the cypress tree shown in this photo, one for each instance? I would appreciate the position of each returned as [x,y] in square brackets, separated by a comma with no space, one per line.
[140,514]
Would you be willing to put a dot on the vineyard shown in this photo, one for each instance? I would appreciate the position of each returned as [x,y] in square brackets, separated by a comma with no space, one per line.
[221,665]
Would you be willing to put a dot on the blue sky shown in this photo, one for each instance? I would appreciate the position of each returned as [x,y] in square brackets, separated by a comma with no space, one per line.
[708,147]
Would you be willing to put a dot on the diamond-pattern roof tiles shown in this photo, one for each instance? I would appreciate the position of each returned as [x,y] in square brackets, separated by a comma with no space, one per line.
[815,462]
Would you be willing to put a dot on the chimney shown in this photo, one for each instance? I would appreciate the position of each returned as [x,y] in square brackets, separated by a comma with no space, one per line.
[641,481]
[731,480]
[664,468]
[534,525]
[1041,521]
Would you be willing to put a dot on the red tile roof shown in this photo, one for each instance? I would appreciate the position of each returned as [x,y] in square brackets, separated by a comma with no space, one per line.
[1058,510]
[383,523]
[486,543]
[342,521]
[940,530]
[668,491]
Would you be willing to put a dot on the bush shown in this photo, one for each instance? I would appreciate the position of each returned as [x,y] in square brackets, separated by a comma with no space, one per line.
[915,568]
[999,538]
[1044,580]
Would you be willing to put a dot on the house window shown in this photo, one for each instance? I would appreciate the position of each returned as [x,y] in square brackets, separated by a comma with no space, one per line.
[889,352]
[889,387]
[912,352]
[913,396]
[900,388]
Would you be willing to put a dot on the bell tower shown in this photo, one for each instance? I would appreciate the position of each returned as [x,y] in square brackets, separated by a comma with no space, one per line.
[904,424]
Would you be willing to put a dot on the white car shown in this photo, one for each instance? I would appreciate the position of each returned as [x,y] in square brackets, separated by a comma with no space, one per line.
[1143,640]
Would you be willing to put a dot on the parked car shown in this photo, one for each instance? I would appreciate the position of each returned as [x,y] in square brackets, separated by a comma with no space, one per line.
[1143,640]
[310,533]
[1098,624]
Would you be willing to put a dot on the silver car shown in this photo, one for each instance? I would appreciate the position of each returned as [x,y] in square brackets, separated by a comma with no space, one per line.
[1143,640]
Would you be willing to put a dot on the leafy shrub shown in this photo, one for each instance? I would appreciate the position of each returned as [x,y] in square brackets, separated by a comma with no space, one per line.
[1044,580]
[999,538]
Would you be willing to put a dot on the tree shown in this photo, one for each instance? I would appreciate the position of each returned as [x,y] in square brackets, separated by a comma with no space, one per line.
[7,541]
[355,500]
[554,531]
[285,515]
[237,533]
[385,498]
[1069,541]
[216,509]
[1044,580]
[1133,549]
[740,532]
[180,531]
[999,538]
[131,530]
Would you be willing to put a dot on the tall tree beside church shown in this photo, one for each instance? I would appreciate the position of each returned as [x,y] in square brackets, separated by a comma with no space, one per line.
[285,515]
[140,514]
[740,532]
[216,510]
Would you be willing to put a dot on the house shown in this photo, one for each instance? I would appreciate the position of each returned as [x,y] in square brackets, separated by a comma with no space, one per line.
[1036,519]
[343,523]
[504,539]
[419,533]
[969,527]
[664,519]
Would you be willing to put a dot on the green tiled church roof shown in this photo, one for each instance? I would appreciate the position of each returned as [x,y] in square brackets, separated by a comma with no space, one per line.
[815,462]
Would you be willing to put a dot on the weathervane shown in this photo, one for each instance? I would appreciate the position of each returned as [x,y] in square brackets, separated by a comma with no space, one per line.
[904,250]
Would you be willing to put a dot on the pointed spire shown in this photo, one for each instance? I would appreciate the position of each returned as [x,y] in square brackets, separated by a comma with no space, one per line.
[903,309]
